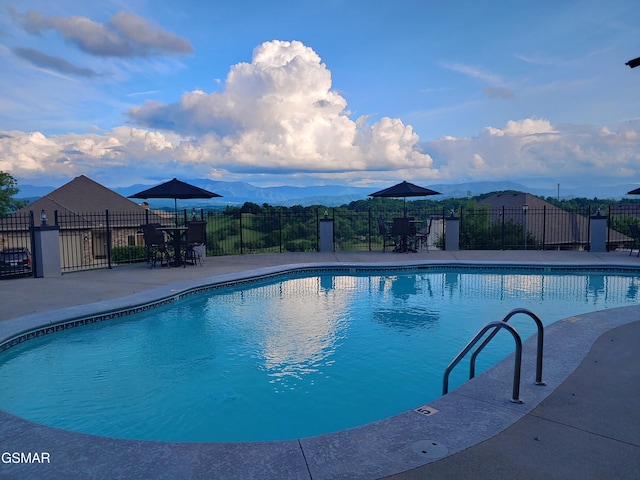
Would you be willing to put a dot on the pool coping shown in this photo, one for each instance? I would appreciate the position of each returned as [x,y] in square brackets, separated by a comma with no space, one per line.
[475,411]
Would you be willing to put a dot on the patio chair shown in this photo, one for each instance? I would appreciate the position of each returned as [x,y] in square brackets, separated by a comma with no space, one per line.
[387,238]
[155,245]
[422,236]
[635,233]
[196,237]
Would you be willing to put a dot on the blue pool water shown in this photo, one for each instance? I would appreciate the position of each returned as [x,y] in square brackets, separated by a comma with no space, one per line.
[284,358]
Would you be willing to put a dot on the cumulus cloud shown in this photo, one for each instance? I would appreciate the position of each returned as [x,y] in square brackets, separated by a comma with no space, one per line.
[279,113]
[123,149]
[124,35]
[535,148]
[521,128]
[523,149]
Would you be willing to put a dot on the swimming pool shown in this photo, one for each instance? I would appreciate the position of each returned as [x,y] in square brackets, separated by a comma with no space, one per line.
[295,337]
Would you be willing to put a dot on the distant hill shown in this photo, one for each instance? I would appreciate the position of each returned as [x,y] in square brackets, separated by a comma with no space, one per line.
[33,192]
[237,193]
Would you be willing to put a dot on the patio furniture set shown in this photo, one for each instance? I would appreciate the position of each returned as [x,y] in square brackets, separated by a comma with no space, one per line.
[174,246]
[405,234]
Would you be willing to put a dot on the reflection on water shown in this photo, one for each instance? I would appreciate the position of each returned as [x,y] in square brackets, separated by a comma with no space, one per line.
[294,325]
[400,304]
[297,325]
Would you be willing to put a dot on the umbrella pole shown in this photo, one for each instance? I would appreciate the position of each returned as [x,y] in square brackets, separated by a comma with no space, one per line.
[175,207]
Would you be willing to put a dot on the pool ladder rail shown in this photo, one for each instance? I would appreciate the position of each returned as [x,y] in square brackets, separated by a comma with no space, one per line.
[496,326]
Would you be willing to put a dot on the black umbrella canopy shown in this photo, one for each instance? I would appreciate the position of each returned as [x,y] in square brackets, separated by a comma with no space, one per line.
[634,192]
[175,189]
[404,190]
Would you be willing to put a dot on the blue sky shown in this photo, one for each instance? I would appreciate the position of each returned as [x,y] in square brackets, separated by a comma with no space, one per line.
[363,93]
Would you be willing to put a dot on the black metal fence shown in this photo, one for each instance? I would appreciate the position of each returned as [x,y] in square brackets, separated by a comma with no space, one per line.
[545,228]
[506,228]
[105,239]
[267,230]
[102,239]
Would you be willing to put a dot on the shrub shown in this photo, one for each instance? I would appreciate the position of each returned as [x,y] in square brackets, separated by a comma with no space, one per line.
[128,254]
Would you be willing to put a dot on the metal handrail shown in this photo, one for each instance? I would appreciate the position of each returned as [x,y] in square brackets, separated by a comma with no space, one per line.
[515,396]
[540,346]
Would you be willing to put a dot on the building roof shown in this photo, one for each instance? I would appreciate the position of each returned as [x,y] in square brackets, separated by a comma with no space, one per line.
[83,201]
[83,195]
[515,200]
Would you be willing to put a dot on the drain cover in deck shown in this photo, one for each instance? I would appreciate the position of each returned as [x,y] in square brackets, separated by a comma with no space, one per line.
[429,449]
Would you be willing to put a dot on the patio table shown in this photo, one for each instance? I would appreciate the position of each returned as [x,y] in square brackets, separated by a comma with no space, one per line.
[177,235]
[405,228]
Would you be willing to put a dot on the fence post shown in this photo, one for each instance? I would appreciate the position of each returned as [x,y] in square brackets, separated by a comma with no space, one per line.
[32,240]
[280,227]
[326,233]
[240,213]
[369,229]
[502,229]
[46,250]
[108,226]
[598,232]
[318,229]
[544,225]
[608,223]
[452,232]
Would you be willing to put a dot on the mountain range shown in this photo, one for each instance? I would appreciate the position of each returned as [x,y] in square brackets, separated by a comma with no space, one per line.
[237,193]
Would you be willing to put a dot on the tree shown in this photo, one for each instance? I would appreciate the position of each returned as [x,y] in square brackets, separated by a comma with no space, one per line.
[9,189]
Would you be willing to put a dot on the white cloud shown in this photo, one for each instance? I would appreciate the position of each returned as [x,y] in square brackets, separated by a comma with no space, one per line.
[478,162]
[528,126]
[278,113]
[535,148]
[521,149]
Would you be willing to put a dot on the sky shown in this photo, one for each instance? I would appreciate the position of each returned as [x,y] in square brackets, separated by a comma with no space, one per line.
[302,92]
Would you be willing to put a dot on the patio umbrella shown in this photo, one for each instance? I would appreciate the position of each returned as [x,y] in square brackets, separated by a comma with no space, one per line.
[404,190]
[177,190]
[634,192]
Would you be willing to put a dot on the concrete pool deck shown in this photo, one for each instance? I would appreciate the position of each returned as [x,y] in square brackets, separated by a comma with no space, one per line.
[584,424]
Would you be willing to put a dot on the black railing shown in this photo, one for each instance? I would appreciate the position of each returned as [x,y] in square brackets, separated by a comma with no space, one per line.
[505,228]
[619,218]
[268,230]
[105,239]
[102,239]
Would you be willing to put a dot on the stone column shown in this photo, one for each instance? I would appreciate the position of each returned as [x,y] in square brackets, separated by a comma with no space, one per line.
[452,234]
[598,233]
[326,235]
[47,251]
